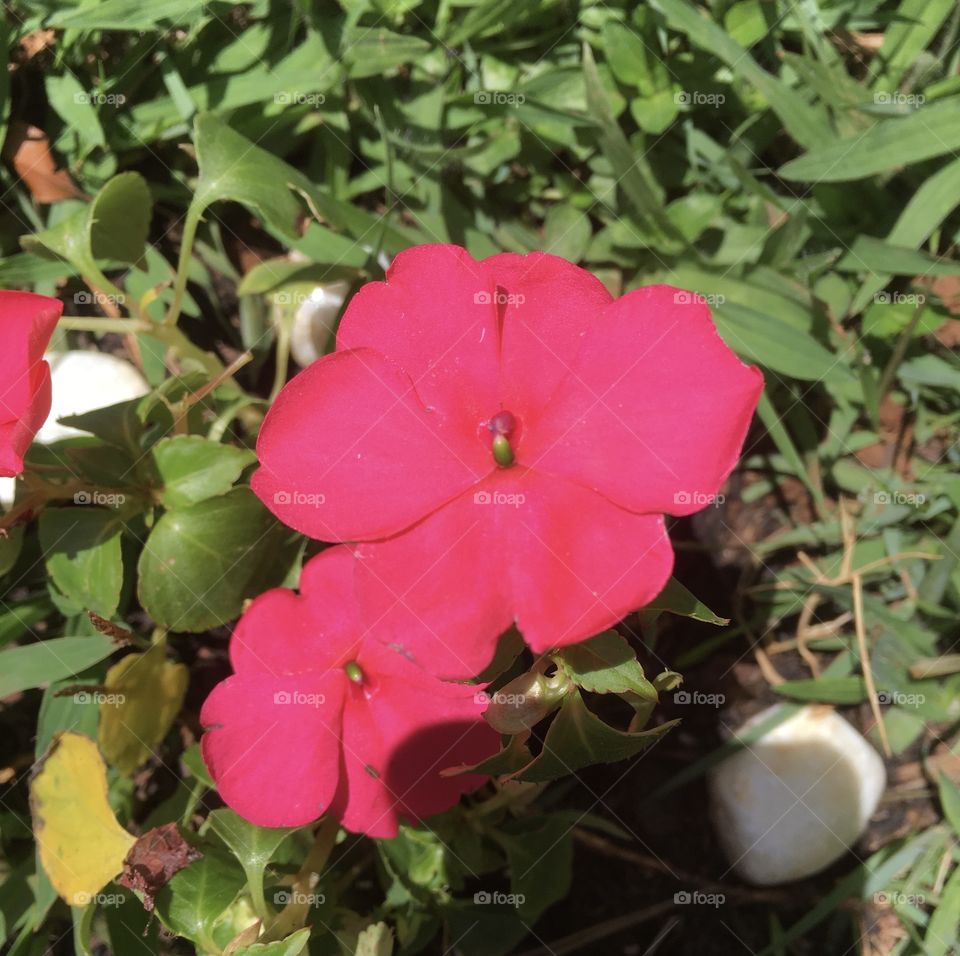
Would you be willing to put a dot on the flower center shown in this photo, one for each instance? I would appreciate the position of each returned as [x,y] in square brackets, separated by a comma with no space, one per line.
[502,425]
[354,672]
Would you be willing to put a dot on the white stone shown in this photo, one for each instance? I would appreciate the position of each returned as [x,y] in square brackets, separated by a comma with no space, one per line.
[314,320]
[8,491]
[83,381]
[793,802]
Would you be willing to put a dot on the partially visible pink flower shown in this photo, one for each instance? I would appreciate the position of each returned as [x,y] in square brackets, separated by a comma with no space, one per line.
[26,323]
[316,718]
[504,439]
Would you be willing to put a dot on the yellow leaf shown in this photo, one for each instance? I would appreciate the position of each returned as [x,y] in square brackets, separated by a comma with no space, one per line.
[144,693]
[81,844]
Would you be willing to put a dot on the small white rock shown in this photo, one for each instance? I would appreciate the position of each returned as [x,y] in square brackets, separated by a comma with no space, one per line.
[83,381]
[792,803]
[8,491]
[314,320]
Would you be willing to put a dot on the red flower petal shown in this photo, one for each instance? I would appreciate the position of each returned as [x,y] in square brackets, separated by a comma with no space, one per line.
[548,304]
[273,744]
[26,323]
[655,410]
[283,632]
[348,450]
[560,560]
[394,749]
[436,318]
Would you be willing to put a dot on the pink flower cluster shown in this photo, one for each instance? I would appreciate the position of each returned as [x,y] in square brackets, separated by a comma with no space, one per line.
[495,443]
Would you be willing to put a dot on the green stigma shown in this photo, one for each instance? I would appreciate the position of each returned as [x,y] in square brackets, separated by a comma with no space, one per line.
[502,452]
[353,672]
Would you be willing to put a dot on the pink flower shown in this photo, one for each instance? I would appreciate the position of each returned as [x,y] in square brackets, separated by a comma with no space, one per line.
[316,718]
[504,439]
[26,323]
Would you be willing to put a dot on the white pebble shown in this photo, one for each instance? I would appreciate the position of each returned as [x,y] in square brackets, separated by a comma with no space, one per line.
[792,803]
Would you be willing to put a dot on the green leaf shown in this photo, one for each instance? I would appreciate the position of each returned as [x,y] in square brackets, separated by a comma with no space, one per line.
[293,945]
[375,52]
[950,801]
[130,14]
[82,551]
[577,738]
[191,903]
[231,167]
[253,846]
[632,171]
[193,469]
[869,254]
[113,227]
[606,664]
[941,935]
[807,125]
[566,232]
[33,665]
[888,145]
[540,857]
[828,690]
[769,341]
[676,599]
[201,562]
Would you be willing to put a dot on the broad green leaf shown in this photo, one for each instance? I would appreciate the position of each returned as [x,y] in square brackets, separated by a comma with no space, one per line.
[113,227]
[193,469]
[606,664]
[577,738]
[46,661]
[769,341]
[10,547]
[566,232]
[253,846]
[231,167]
[192,902]
[143,695]
[203,561]
[81,546]
[293,945]
[930,131]
[905,38]
[81,844]
[676,599]
[540,857]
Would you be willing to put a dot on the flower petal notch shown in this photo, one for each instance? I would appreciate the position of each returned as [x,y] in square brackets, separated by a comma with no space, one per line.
[500,441]
[348,724]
